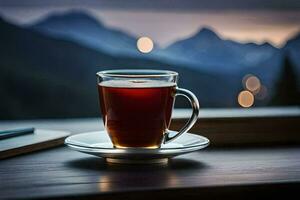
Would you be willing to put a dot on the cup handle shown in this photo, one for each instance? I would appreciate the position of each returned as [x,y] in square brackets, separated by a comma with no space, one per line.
[171,135]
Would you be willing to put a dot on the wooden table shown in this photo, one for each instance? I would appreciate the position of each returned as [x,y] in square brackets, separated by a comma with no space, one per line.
[207,174]
[214,173]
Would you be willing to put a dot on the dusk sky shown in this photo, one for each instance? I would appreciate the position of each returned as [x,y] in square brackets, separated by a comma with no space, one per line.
[168,20]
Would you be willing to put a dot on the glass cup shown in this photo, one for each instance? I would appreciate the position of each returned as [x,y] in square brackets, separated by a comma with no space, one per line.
[136,106]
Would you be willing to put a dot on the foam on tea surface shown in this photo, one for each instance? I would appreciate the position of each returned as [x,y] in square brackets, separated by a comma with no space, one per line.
[142,83]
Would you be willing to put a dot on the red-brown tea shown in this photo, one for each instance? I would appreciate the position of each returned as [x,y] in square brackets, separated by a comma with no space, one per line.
[136,113]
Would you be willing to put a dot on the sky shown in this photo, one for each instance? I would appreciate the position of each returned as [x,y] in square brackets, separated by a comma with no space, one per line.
[166,21]
[164,4]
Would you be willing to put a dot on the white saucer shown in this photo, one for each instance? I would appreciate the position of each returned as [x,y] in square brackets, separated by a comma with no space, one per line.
[99,144]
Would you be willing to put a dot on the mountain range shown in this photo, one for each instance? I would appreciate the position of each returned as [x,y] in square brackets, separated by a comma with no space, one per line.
[46,77]
[204,48]
[203,51]
[49,67]
[84,29]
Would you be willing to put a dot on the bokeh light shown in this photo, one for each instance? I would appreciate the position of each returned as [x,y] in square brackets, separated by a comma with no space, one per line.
[262,94]
[145,44]
[245,99]
[245,78]
[252,83]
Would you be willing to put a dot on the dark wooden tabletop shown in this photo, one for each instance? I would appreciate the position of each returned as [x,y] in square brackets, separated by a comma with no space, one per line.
[62,173]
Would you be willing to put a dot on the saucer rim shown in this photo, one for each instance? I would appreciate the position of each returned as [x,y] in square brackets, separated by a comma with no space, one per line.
[205,142]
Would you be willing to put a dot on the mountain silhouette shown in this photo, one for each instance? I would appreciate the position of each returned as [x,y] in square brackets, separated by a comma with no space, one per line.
[294,41]
[84,29]
[206,48]
[206,32]
[201,48]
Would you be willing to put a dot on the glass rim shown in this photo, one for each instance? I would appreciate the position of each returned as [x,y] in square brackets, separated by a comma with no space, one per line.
[136,73]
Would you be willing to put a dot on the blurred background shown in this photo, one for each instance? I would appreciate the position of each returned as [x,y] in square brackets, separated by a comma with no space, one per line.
[230,53]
